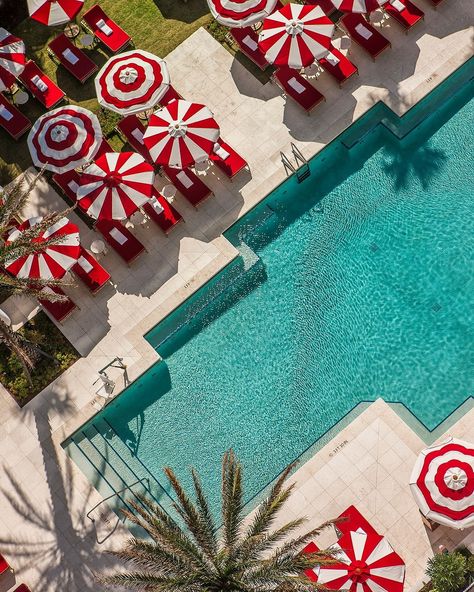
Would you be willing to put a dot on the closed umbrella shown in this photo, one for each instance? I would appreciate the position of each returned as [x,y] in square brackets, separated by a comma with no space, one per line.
[12,58]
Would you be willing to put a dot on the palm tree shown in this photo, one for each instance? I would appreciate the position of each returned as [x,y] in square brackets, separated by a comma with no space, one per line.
[191,554]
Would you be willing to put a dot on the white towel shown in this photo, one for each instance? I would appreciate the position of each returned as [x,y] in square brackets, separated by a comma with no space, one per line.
[138,135]
[155,204]
[363,31]
[70,56]
[104,27]
[36,80]
[86,266]
[332,59]
[397,5]
[118,236]
[296,85]
[184,179]
[5,113]
[249,42]
[220,151]
[73,186]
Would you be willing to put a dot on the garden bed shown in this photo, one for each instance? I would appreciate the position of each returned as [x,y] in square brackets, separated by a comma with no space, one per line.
[42,331]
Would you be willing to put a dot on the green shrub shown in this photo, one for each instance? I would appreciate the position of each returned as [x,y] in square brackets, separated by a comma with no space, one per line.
[108,120]
[447,571]
[218,31]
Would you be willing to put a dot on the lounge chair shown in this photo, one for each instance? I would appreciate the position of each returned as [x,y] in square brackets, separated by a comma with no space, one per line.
[103,149]
[352,520]
[298,88]
[22,588]
[365,35]
[132,130]
[170,95]
[72,58]
[404,12]
[41,86]
[12,120]
[113,37]
[338,65]
[4,565]
[68,182]
[60,310]
[227,159]
[188,184]
[326,5]
[247,40]
[90,271]
[162,212]
[122,241]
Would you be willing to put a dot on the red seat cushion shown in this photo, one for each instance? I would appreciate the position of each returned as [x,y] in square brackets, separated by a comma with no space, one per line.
[196,193]
[83,68]
[407,17]
[308,98]
[60,309]
[375,44]
[67,182]
[166,219]
[18,124]
[94,279]
[343,70]
[256,55]
[49,97]
[117,40]
[233,164]
[130,249]
[4,565]
[126,127]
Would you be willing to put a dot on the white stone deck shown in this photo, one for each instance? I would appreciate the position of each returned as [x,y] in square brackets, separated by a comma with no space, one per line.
[43,498]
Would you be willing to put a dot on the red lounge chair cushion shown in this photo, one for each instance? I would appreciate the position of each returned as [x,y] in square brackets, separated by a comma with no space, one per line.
[18,124]
[166,219]
[354,520]
[94,279]
[130,249]
[66,182]
[61,309]
[170,95]
[407,17]
[103,148]
[343,70]
[126,127]
[49,97]
[117,40]
[308,98]
[375,44]
[233,164]
[4,565]
[83,68]
[326,5]
[256,55]
[196,193]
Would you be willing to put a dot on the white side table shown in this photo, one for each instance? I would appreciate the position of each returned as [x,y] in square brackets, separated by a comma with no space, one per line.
[20,97]
[98,247]
[87,41]
[202,166]
[169,192]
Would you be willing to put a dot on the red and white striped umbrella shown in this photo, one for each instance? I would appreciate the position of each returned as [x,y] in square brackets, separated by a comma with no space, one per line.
[241,13]
[115,185]
[364,6]
[64,138]
[54,12]
[181,134]
[132,82]
[296,36]
[52,262]
[442,483]
[366,563]
[12,58]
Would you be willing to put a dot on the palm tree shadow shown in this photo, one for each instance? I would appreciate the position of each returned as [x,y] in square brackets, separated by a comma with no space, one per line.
[423,163]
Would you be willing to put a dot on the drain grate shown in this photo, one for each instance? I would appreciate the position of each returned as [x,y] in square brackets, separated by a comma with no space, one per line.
[374,247]
[436,307]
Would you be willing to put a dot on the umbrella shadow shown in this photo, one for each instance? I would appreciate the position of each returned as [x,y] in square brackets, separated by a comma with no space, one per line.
[251,81]
[186,11]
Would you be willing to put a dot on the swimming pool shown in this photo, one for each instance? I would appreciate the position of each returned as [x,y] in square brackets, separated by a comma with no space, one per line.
[353,285]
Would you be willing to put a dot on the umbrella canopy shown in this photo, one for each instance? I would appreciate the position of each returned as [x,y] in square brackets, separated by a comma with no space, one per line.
[115,185]
[367,563]
[364,6]
[442,483]
[12,58]
[241,13]
[296,35]
[54,12]
[55,259]
[64,138]
[181,134]
[132,82]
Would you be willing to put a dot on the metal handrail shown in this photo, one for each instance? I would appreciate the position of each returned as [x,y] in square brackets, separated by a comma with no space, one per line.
[300,159]
[114,494]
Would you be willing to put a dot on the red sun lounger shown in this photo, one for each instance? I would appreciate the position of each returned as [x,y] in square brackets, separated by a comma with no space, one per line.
[298,88]
[41,86]
[60,309]
[162,212]
[12,120]
[188,184]
[68,182]
[103,148]
[338,65]
[113,37]
[132,129]
[247,40]
[170,95]
[326,5]
[227,159]
[404,12]
[72,58]
[353,520]
[365,35]
[120,239]
[4,565]
[90,271]
[22,588]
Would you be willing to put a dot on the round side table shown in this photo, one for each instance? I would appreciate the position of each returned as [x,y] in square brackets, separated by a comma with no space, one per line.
[169,192]
[87,41]
[20,97]
[202,166]
[98,247]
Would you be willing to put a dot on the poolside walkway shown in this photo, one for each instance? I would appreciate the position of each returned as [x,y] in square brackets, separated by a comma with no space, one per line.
[43,497]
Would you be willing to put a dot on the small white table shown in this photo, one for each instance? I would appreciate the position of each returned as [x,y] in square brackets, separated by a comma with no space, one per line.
[202,166]
[342,43]
[169,192]
[87,40]
[20,97]
[98,247]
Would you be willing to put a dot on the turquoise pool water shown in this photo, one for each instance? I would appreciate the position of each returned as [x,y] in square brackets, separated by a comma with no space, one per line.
[353,285]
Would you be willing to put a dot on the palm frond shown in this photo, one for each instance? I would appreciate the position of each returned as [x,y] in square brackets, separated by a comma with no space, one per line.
[231,499]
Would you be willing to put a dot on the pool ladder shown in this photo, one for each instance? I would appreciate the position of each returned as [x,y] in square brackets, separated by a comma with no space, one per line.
[300,168]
